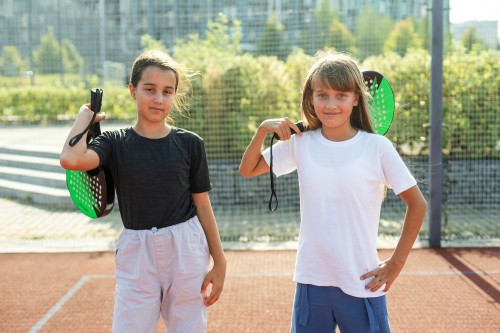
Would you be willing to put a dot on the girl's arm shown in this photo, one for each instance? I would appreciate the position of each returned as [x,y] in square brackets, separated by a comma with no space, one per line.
[78,157]
[217,274]
[389,269]
[253,163]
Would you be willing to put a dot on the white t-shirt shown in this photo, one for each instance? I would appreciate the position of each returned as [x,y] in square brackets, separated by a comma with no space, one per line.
[341,193]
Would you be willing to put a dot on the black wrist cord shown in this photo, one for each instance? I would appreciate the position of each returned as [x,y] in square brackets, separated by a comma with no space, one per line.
[302,128]
[271,174]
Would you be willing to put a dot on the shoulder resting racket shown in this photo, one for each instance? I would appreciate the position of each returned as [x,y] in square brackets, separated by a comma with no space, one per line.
[381,107]
[92,191]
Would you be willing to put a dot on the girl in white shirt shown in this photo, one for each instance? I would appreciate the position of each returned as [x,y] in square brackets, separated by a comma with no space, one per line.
[343,169]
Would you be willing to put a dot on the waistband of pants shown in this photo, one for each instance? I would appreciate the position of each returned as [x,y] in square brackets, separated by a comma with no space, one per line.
[163,230]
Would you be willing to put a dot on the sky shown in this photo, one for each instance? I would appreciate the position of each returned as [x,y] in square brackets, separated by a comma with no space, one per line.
[473,10]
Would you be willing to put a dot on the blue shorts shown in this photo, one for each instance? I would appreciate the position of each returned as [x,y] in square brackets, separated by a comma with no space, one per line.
[322,309]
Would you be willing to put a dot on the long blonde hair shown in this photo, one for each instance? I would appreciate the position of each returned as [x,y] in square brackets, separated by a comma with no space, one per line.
[341,72]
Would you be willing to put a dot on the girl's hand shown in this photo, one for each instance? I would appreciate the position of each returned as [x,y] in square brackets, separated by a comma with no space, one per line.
[85,111]
[213,284]
[280,126]
[385,274]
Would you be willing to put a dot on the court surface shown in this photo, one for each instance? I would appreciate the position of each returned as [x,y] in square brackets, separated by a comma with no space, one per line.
[446,290]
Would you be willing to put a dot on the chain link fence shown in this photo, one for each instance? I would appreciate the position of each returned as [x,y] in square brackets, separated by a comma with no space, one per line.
[252,57]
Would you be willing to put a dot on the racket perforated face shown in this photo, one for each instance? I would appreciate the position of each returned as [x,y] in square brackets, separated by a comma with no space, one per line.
[381,105]
[87,192]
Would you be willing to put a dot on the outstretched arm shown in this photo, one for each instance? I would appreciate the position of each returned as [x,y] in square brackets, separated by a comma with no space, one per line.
[253,163]
[78,157]
[389,269]
[217,274]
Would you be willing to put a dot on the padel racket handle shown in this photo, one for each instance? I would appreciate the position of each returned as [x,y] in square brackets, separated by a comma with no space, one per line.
[95,106]
[299,124]
[96,100]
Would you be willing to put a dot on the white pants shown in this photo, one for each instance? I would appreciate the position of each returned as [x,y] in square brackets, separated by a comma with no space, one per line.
[160,271]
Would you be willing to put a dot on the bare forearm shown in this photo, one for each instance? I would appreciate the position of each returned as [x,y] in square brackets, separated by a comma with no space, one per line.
[253,163]
[411,227]
[209,225]
[253,154]
[81,122]
[77,157]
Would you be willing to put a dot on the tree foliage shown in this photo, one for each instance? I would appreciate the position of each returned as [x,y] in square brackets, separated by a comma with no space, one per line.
[148,43]
[403,38]
[47,56]
[341,38]
[11,62]
[315,33]
[272,40]
[372,30]
[51,57]
[471,41]
[72,61]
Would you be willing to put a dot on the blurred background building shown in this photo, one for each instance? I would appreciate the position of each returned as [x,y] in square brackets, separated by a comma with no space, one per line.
[110,30]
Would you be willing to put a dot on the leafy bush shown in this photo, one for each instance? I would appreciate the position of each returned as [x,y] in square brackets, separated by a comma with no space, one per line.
[46,104]
[471,99]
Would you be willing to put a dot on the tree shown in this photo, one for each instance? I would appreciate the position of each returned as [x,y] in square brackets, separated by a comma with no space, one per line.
[471,40]
[47,56]
[72,61]
[223,41]
[213,107]
[323,21]
[403,38]
[340,38]
[371,30]
[272,40]
[148,43]
[422,28]
[314,35]
[11,63]
[223,36]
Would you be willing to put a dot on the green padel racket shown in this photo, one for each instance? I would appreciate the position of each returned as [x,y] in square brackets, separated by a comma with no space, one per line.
[381,107]
[92,192]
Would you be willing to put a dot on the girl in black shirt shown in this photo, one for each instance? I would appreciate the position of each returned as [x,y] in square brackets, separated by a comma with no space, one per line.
[162,183]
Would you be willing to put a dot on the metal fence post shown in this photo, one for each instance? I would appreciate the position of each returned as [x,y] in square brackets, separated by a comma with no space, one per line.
[436,120]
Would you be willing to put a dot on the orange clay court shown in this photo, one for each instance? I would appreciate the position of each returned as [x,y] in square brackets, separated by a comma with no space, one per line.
[445,290]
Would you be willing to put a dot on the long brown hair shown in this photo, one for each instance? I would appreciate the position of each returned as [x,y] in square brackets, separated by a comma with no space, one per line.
[337,71]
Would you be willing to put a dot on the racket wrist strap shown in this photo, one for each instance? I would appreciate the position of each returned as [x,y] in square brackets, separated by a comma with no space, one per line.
[74,140]
[273,197]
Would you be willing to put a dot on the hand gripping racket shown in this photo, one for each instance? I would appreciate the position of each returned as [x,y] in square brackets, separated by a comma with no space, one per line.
[381,107]
[93,191]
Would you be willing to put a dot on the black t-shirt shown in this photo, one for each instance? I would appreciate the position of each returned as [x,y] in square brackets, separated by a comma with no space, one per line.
[154,178]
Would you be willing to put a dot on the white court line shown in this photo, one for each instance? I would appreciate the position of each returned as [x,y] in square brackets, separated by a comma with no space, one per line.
[64,299]
[264,274]
[86,278]
[454,273]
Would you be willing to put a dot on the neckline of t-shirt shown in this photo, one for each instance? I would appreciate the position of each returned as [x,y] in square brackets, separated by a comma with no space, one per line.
[173,130]
[319,137]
